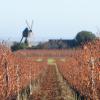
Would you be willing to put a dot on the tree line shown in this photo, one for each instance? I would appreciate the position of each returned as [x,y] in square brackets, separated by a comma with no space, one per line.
[81,38]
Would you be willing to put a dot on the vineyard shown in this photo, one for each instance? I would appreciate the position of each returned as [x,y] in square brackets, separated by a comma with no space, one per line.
[51,74]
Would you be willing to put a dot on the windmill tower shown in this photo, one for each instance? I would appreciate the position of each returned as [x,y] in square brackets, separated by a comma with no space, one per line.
[27,33]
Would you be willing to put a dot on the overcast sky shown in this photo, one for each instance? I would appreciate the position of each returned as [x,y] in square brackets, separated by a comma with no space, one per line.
[52,18]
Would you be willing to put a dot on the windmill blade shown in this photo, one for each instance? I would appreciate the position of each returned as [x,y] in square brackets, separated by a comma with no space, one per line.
[28,25]
[32,24]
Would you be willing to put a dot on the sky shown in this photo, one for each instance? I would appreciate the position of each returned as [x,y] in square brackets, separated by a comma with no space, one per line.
[60,19]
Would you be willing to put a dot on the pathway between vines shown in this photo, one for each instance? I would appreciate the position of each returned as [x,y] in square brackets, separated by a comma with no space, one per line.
[53,86]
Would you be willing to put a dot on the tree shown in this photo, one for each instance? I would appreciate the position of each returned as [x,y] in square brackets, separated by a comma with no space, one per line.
[84,36]
[18,46]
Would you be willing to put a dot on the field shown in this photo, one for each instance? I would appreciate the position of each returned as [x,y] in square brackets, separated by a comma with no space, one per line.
[51,74]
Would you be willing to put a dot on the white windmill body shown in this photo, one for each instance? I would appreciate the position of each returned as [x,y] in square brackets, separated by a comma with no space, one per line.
[30,37]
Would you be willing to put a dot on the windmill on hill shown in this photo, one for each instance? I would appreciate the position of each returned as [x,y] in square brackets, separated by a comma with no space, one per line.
[27,33]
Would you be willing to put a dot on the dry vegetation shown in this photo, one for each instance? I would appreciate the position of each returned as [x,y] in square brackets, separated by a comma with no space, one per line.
[80,68]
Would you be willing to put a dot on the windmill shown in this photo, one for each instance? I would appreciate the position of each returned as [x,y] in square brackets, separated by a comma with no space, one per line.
[27,32]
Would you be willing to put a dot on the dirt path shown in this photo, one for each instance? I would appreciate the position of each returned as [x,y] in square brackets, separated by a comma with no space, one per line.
[53,87]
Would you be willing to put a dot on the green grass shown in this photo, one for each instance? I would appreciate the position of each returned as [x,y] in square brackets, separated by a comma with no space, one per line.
[51,60]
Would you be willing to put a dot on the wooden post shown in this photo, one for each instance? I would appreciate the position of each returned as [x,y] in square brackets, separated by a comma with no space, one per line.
[30,76]
[94,93]
[6,78]
[18,80]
